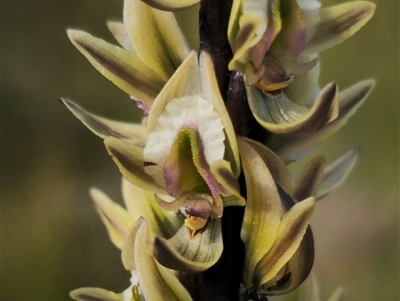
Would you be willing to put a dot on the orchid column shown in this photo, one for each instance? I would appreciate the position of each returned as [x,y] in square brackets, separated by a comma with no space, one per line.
[212,210]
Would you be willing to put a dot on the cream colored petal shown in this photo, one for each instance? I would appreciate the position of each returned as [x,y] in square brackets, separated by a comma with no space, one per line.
[129,159]
[282,116]
[156,37]
[210,92]
[125,69]
[184,82]
[102,127]
[119,32]
[95,294]
[309,179]
[263,211]
[279,171]
[117,219]
[336,172]
[171,5]
[290,234]
[185,254]
[156,282]
[349,101]
[333,25]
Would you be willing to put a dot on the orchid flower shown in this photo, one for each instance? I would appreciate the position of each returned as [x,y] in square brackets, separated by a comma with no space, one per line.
[276,44]
[191,156]
[276,232]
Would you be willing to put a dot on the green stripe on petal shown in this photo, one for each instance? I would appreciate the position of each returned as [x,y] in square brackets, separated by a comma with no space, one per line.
[116,219]
[129,159]
[291,38]
[185,167]
[309,179]
[156,37]
[350,100]
[337,172]
[282,116]
[290,234]
[120,66]
[333,25]
[263,211]
[171,5]
[95,294]
[191,255]
[103,127]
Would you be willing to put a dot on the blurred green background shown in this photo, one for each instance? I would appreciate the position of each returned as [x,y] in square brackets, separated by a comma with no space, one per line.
[52,239]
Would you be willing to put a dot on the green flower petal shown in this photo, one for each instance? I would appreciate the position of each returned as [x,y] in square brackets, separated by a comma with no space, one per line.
[222,172]
[337,172]
[349,101]
[291,39]
[282,116]
[129,159]
[309,179]
[156,37]
[95,294]
[333,25]
[117,219]
[156,282]
[102,127]
[125,69]
[119,32]
[263,211]
[171,5]
[289,236]
[191,255]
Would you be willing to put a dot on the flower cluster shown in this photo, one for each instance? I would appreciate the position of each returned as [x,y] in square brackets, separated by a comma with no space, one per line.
[182,164]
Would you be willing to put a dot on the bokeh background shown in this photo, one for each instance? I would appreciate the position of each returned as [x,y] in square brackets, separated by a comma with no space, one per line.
[52,239]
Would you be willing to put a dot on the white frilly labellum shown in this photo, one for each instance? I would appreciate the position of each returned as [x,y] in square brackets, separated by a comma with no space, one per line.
[187,112]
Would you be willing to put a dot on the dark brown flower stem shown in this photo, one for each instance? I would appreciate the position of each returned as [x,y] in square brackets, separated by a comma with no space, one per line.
[222,281]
